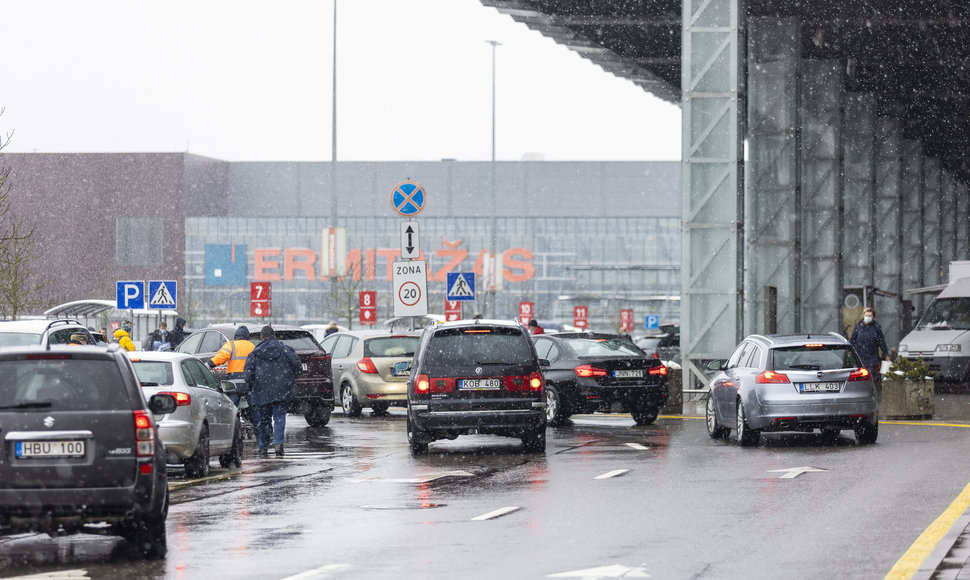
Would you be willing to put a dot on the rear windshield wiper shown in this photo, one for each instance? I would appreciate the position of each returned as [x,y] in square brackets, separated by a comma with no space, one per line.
[31,405]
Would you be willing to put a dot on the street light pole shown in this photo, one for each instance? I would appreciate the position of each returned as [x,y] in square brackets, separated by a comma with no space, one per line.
[333,173]
[494,224]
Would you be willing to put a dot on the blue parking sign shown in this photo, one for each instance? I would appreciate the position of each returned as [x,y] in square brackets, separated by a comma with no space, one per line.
[652,321]
[131,294]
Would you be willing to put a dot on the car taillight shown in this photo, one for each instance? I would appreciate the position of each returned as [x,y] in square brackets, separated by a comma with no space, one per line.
[535,381]
[442,385]
[532,382]
[366,365]
[859,375]
[655,355]
[422,384]
[770,377]
[144,434]
[590,371]
[660,370]
[181,399]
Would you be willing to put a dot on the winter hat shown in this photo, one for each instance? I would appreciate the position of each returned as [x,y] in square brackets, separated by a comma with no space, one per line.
[267,332]
[242,333]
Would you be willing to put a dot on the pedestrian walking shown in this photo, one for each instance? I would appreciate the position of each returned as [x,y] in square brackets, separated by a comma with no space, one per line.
[234,354]
[870,343]
[177,334]
[270,372]
[534,327]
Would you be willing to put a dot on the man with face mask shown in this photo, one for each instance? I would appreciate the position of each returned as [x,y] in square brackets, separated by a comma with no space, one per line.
[869,342]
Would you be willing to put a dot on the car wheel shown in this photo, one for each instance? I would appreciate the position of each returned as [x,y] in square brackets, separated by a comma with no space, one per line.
[416,439]
[348,401]
[714,430]
[379,409]
[867,432]
[555,414]
[746,435]
[535,440]
[234,457]
[645,416]
[198,464]
[147,533]
[318,416]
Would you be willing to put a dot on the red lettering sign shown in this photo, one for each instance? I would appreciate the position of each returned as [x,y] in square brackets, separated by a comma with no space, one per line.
[452,310]
[580,316]
[626,320]
[367,301]
[526,312]
[260,299]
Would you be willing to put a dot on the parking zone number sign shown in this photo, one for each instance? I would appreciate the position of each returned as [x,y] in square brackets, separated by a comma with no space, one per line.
[411,288]
[260,299]
[580,316]
[626,320]
[367,301]
[525,312]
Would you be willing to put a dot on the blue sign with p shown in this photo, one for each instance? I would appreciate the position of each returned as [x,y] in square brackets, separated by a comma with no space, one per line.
[652,321]
[131,294]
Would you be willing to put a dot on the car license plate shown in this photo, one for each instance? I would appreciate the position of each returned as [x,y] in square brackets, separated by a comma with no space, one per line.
[305,367]
[628,374]
[50,449]
[404,373]
[820,387]
[480,384]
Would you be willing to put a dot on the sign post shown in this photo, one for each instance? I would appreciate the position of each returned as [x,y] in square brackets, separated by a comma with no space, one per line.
[452,310]
[367,301]
[260,299]
[411,288]
[626,320]
[651,321]
[410,248]
[580,316]
[461,286]
[526,310]
[162,293]
[131,295]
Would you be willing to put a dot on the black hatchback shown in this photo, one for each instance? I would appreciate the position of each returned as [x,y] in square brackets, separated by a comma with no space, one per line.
[475,376]
[590,372]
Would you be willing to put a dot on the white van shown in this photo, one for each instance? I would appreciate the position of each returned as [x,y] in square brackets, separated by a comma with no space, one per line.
[942,335]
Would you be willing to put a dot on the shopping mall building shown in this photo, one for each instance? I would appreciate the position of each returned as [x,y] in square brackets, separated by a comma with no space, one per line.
[605,235]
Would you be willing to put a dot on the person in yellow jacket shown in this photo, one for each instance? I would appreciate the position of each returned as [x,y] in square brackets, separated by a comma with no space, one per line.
[124,340]
[234,353]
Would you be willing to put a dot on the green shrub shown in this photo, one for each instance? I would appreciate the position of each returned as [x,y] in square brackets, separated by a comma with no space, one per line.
[911,370]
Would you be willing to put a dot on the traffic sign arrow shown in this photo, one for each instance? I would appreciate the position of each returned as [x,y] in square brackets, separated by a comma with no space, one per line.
[793,472]
[409,241]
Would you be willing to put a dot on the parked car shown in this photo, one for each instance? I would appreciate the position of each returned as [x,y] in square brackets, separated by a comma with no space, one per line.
[319,331]
[590,372]
[314,388]
[665,347]
[475,376]
[205,423]
[362,363]
[80,445]
[41,331]
[792,383]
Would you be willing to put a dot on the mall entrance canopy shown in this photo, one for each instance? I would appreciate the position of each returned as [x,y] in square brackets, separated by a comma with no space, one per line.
[103,313]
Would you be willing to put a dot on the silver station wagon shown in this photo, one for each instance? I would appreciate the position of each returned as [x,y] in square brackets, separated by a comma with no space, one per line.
[792,383]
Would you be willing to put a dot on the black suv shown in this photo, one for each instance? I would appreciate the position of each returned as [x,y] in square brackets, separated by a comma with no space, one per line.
[475,376]
[80,445]
[314,388]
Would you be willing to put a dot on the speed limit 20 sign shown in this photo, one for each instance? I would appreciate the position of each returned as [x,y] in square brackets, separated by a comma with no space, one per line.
[411,288]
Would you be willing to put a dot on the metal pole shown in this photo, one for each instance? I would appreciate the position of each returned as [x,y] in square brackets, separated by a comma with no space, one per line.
[493,271]
[333,164]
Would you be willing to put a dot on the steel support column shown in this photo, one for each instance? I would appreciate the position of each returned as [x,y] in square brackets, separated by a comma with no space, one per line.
[932,209]
[888,255]
[963,214]
[912,232]
[712,182]
[820,121]
[948,223]
[773,183]
[858,242]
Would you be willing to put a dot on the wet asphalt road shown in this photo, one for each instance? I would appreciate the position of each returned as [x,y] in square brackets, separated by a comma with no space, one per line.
[608,498]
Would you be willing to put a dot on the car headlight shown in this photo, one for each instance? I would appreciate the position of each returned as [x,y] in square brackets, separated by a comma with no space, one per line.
[948,348]
[903,348]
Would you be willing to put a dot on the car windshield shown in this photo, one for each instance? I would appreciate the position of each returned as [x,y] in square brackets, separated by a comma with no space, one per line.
[61,384]
[604,347]
[298,340]
[391,346]
[19,338]
[814,358]
[155,372]
[469,346]
[947,314]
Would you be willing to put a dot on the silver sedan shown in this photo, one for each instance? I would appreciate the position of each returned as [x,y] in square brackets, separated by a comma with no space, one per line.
[792,383]
[205,423]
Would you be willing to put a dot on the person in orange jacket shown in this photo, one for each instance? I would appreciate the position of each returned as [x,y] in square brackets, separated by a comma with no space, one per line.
[234,354]
[124,340]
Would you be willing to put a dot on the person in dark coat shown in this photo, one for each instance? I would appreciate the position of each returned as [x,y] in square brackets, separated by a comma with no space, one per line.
[870,343]
[270,372]
[177,335]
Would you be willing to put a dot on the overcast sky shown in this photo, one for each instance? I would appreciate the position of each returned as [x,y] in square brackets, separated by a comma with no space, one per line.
[251,80]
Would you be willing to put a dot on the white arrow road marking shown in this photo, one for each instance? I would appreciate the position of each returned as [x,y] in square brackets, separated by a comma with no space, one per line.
[614,571]
[793,472]
[637,446]
[424,479]
[496,514]
[613,473]
[321,572]
[79,574]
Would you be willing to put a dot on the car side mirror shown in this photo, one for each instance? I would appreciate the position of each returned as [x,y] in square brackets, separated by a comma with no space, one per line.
[715,365]
[544,362]
[228,387]
[402,367]
[162,404]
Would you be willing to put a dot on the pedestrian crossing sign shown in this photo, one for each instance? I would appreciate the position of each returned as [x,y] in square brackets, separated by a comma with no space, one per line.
[461,286]
[162,293]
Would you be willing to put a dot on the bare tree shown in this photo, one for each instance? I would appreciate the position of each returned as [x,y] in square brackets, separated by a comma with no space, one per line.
[344,297]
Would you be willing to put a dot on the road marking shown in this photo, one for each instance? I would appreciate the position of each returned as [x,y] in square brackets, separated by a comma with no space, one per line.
[637,446]
[317,572]
[79,574]
[613,473]
[424,479]
[923,423]
[793,472]
[909,563]
[614,571]
[496,514]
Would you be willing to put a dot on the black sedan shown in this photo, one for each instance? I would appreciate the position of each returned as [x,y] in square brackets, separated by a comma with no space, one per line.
[590,372]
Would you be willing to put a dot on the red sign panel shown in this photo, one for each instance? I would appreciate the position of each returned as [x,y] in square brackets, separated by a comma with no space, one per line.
[452,310]
[368,308]
[626,320]
[260,299]
[526,312]
[580,316]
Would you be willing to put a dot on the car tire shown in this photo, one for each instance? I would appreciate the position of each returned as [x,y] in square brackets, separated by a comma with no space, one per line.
[379,409]
[555,411]
[147,533]
[348,401]
[198,465]
[318,416]
[646,416]
[234,456]
[535,441]
[714,430]
[867,432]
[747,436]
[417,440]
